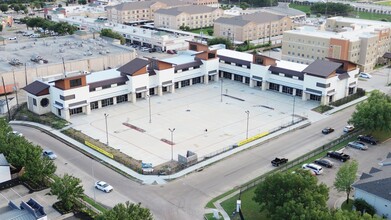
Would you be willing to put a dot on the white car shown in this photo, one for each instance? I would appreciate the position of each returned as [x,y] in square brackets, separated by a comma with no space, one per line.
[365,75]
[348,128]
[16,133]
[144,49]
[49,154]
[101,185]
[12,38]
[316,168]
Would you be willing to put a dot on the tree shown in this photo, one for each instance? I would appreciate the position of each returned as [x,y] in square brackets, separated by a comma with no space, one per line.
[346,176]
[220,40]
[288,195]
[16,8]
[67,189]
[210,32]
[82,2]
[129,211]
[3,7]
[374,114]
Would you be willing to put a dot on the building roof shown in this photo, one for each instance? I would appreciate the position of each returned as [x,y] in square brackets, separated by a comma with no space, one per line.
[36,87]
[376,182]
[3,160]
[289,72]
[133,66]
[321,68]
[126,6]
[188,9]
[387,55]
[284,9]
[258,18]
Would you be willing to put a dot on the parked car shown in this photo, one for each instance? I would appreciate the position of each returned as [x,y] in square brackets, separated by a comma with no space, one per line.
[35,36]
[327,130]
[103,186]
[358,145]
[279,161]
[316,168]
[12,38]
[338,155]
[276,49]
[348,128]
[152,50]
[367,139]
[144,49]
[171,51]
[324,162]
[365,75]
[49,154]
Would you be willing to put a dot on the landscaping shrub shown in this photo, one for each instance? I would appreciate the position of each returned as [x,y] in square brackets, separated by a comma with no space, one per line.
[360,93]
[362,206]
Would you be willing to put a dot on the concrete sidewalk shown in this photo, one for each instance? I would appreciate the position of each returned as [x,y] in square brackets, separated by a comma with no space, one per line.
[153,179]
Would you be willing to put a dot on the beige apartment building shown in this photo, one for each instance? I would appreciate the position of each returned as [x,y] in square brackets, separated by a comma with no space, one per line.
[193,16]
[359,41]
[139,10]
[252,26]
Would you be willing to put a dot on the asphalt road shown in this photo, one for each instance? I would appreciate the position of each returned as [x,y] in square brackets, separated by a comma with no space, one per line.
[186,197]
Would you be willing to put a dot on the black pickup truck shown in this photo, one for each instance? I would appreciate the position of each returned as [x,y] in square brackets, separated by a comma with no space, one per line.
[279,161]
[338,155]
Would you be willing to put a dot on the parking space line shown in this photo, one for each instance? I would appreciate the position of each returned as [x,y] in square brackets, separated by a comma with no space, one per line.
[4,197]
[16,193]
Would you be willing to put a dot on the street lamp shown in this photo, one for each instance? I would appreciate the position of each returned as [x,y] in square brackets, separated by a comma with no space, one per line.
[107,131]
[221,92]
[172,142]
[293,110]
[248,119]
[149,101]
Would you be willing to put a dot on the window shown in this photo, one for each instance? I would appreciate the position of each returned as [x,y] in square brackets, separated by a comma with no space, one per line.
[322,85]
[68,97]
[44,102]
[107,102]
[122,98]
[75,111]
[34,102]
[94,105]
[75,82]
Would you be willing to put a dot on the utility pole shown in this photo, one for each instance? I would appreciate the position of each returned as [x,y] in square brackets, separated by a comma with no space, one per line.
[16,88]
[6,99]
[25,72]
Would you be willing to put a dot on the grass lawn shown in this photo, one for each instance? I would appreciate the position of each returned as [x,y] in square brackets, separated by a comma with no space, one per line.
[386,3]
[381,136]
[346,206]
[250,208]
[209,216]
[204,31]
[373,16]
[94,204]
[303,8]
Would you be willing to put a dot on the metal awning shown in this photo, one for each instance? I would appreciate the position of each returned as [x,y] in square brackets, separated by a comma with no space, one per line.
[58,106]
[313,93]
[257,78]
[77,106]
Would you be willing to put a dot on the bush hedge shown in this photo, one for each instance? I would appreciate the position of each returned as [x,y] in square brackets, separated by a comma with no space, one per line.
[360,93]
[362,206]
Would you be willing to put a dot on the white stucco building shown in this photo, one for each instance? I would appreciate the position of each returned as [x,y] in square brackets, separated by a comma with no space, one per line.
[5,171]
[81,92]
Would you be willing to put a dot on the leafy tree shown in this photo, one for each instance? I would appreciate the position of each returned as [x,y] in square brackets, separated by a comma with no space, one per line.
[67,189]
[129,211]
[112,34]
[374,114]
[16,8]
[82,2]
[346,176]
[362,206]
[331,8]
[220,40]
[1,28]
[36,5]
[37,169]
[292,196]
[210,32]
[3,7]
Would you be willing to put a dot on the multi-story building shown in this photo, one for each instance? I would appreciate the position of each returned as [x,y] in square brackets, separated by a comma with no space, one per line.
[252,26]
[81,92]
[193,16]
[360,41]
[212,3]
[139,10]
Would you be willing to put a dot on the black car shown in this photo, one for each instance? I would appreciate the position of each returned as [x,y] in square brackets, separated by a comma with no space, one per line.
[324,162]
[327,130]
[367,139]
[279,161]
[151,50]
[339,156]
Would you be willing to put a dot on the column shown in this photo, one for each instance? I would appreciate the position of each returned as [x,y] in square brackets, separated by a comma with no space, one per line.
[304,96]
[294,92]
[100,104]
[264,85]
[65,113]
[191,82]
[114,100]
[159,91]
[232,76]
[173,88]
[280,88]
[323,100]
[244,79]
[88,109]
[133,95]
[206,79]
[129,97]
[216,78]
[251,84]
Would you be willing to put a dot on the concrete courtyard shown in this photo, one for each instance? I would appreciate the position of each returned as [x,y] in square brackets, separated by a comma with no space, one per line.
[203,124]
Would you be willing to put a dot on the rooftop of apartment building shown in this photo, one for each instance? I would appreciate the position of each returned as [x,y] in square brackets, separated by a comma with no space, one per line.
[361,22]
[258,18]
[145,4]
[345,33]
[189,9]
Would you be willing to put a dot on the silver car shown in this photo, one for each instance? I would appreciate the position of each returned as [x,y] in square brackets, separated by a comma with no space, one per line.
[358,145]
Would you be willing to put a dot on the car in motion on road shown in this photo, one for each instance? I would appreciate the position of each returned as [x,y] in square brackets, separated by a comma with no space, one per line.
[49,154]
[103,186]
[279,161]
[348,128]
[327,130]
[324,162]
[316,168]
[338,155]
[367,139]
[16,133]
[12,38]
[358,145]
[365,75]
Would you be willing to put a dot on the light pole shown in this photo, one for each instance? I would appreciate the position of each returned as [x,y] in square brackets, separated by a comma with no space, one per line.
[149,104]
[293,110]
[107,131]
[221,92]
[248,119]
[93,176]
[172,142]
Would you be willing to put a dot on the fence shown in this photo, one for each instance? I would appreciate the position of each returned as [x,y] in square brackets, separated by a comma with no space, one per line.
[299,160]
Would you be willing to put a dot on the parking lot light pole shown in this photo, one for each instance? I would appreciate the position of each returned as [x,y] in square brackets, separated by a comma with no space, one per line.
[107,131]
[293,110]
[149,104]
[248,120]
[172,142]
[221,92]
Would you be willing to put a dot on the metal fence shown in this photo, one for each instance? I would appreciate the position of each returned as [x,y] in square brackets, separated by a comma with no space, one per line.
[299,160]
